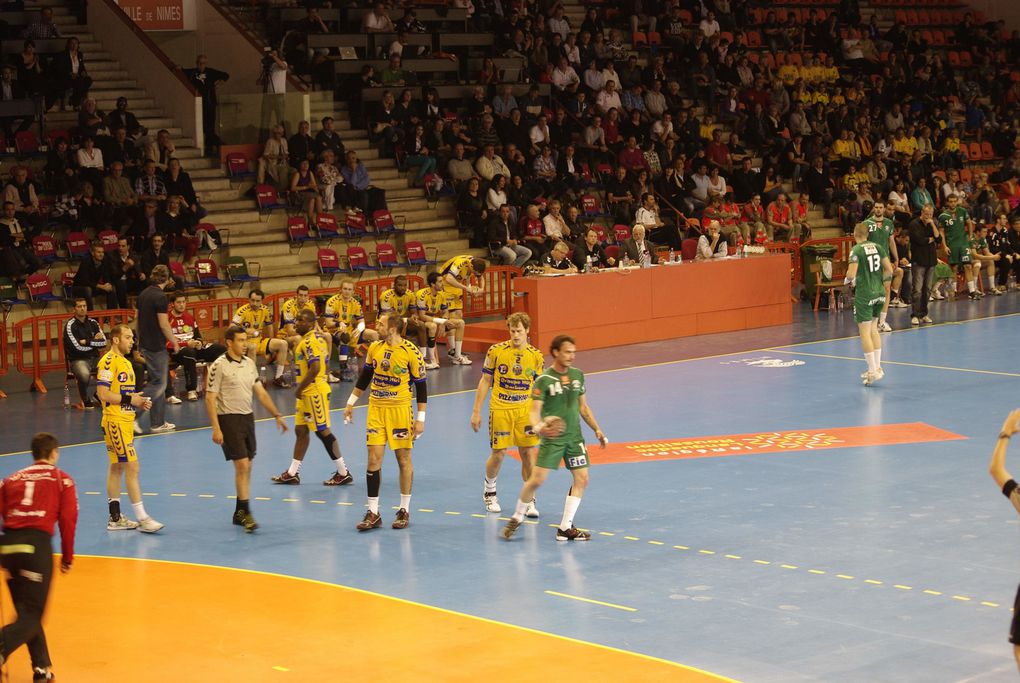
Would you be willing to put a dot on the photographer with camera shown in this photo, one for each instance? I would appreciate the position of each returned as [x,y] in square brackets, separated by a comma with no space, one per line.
[274,87]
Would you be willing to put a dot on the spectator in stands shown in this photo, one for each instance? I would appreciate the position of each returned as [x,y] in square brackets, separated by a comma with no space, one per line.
[83,340]
[91,120]
[357,180]
[395,73]
[61,178]
[274,89]
[330,181]
[149,186]
[491,164]
[31,73]
[178,182]
[620,196]
[180,228]
[22,192]
[274,160]
[161,149]
[608,98]
[156,254]
[779,223]
[386,126]
[801,226]
[649,216]
[204,79]
[118,193]
[754,217]
[458,168]
[12,90]
[711,244]
[497,193]
[301,146]
[504,239]
[93,278]
[146,224]
[637,248]
[44,28]
[920,197]
[557,261]
[122,118]
[120,148]
[564,78]
[17,258]
[588,253]
[70,75]
[328,138]
[819,185]
[124,264]
[303,192]
[91,164]
[532,230]
[419,155]
[556,227]
[471,212]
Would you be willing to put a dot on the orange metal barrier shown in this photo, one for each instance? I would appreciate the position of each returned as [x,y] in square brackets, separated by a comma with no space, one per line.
[213,316]
[4,360]
[43,339]
[498,295]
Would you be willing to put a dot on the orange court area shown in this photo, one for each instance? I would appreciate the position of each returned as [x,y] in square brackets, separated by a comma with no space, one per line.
[629,306]
[114,620]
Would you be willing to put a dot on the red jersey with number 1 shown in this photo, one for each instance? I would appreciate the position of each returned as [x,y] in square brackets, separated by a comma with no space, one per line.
[39,497]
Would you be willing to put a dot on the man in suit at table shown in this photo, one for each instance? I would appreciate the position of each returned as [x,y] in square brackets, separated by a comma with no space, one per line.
[636,246]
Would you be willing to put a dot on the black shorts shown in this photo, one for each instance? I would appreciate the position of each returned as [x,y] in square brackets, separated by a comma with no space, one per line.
[1014,627]
[238,436]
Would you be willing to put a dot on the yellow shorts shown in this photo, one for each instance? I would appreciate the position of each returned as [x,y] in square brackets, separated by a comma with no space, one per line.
[120,440]
[390,425]
[511,427]
[262,346]
[454,298]
[312,410]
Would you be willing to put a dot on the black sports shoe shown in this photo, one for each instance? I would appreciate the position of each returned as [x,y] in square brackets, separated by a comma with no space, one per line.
[287,478]
[245,519]
[40,674]
[372,520]
[339,479]
[572,534]
[510,529]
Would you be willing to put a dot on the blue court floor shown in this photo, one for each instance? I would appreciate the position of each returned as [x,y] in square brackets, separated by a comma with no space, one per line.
[865,563]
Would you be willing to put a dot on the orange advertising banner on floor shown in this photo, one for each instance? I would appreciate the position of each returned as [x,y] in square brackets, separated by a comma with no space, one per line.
[768,442]
[155,15]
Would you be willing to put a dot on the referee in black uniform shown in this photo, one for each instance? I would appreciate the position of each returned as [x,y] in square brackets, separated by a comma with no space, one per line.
[233,379]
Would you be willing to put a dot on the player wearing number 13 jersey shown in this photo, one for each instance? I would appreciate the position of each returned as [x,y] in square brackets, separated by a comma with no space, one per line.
[558,404]
[507,377]
[869,267]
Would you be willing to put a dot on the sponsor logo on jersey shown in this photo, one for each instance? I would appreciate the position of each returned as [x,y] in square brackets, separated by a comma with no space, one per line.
[502,369]
[122,377]
[400,433]
[511,398]
[385,381]
[511,384]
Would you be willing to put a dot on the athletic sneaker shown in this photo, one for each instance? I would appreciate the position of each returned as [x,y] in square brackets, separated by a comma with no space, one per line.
[281,383]
[372,520]
[137,428]
[121,523]
[937,296]
[339,479]
[173,400]
[192,395]
[41,674]
[165,427]
[572,534]
[286,477]
[245,519]
[897,303]
[431,365]
[926,320]
[331,379]
[915,321]
[491,502]
[884,327]
[532,511]
[511,528]
[90,404]
[149,525]
[461,360]
[402,519]
[873,377]
[996,291]
[451,353]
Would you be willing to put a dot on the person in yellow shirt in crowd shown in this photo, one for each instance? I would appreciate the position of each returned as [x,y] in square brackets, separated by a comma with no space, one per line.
[904,145]
[789,73]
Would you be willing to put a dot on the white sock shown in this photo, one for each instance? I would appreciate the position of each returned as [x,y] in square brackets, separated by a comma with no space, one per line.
[569,508]
[457,345]
[434,354]
[520,509]
[991,282]
[881,317]
[139,510]
[490,485]
[341,466]
[373,505]
[971,286]
[878,358]
[870,357]
[295,467]
[405,501]
[424,351]
[279,371]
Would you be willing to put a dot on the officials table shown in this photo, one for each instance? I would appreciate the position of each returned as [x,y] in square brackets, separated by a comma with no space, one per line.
[628,306]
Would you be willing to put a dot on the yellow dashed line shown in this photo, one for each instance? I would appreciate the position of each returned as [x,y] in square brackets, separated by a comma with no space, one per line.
[231,497]
[319,502]
[531,521]
[844,576]
[735,557]
[815,571]
[762,562]
[788,566]
[451,513]
[963,598]
[707,552]
[183,495]
[425,510]
[606,533]
[933,592]
[291,500]
[632,538]
[873,582]
[281,668]
[206,495]
[343,502]
[92,493]
[902,587]
[990,604]
[656,543]
[475,514]
[262,498]
[150,494]
[681,547]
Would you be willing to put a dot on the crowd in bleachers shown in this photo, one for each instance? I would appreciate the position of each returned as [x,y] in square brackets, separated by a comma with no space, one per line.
[716,108]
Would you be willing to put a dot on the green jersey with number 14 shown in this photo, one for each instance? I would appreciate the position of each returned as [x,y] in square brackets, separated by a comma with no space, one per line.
[560,394]
[868,258]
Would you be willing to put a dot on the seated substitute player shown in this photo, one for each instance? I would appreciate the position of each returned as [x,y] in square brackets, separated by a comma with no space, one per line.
[192,348]
[1004,480]
[233,379]
[868,269]
[312,409]
[115,386]
[393,365]
[257,321]
[982,258]
[344,319]
[404,303]
[956,226]
[32,502]
[509,370]
[461,275]
[433,312]
[558,403]
[289,313]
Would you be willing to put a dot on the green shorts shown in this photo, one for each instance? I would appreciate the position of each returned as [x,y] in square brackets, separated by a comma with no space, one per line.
[552,453]
[867,310]
[959,254]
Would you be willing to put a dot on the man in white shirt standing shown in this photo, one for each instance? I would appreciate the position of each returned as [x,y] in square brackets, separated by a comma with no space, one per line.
[274,79]
[378,21]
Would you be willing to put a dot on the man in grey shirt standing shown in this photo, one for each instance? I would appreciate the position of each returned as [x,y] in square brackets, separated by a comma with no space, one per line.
[154,332]
[233,379]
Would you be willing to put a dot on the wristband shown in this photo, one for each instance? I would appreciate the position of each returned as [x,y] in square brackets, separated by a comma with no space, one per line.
[351,400]
[421,416]
[1004,435]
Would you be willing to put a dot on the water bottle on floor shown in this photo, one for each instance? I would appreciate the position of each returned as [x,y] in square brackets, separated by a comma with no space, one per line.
[67,397]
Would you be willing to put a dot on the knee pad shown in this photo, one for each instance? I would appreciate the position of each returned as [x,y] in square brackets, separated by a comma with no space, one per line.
[327,443]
